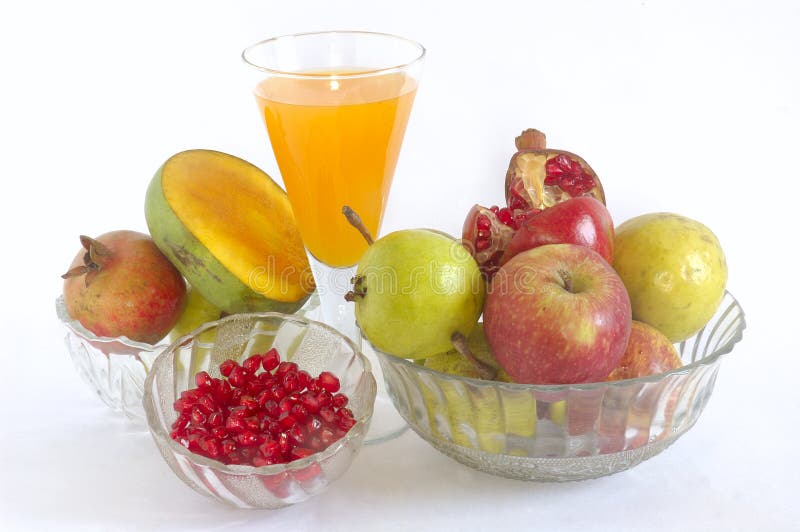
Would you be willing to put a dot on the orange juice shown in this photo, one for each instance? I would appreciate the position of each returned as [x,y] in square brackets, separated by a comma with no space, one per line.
[336,141]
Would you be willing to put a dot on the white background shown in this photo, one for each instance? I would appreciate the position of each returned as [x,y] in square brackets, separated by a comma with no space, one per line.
[690,107]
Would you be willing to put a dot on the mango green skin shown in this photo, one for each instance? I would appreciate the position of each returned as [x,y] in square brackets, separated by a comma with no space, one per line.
[198,265]
[674,269]
[413,289]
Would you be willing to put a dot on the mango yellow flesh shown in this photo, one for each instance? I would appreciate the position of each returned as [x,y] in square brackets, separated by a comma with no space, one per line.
[244,219]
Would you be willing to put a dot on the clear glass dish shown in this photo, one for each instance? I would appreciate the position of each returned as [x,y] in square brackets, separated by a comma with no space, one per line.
[115,368]
[315,347]
[563,432]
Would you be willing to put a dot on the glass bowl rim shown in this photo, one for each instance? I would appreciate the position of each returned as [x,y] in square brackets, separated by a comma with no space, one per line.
[162,435]
[361,74]
[587,386]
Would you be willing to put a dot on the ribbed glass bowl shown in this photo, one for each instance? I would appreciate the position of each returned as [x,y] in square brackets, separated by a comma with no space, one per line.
[314,347]
[115,368]
[563,432]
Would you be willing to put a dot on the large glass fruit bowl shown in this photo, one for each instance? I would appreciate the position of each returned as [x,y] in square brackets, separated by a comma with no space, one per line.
[563,432]
[314,347]
[115,367]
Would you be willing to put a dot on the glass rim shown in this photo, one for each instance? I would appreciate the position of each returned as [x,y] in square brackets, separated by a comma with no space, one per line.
[361,74]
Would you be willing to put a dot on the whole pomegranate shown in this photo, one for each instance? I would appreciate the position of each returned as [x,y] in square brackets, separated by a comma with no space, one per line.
[120,284]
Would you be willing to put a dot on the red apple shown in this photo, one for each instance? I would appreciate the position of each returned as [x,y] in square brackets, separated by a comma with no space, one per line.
[557,314]
[648,352]
[582,220]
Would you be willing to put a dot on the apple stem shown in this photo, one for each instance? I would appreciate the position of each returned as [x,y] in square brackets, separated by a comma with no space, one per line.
[355,221]
[462,346]
[567,278]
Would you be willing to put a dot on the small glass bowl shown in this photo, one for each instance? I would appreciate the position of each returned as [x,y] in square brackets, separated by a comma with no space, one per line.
[314,347]
[115,368]
[562,432]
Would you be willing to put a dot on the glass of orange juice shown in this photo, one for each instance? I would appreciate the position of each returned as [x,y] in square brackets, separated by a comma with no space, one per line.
[335,105]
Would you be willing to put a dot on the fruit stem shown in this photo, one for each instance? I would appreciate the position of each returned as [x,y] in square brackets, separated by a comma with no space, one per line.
[355,221]
[462,346]
[567,279]
[531,139]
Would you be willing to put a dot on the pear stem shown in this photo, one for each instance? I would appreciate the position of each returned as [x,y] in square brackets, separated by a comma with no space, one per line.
[462,346]
[355,221]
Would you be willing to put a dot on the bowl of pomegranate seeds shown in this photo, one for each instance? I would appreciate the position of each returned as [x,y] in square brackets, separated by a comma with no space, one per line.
[260,410]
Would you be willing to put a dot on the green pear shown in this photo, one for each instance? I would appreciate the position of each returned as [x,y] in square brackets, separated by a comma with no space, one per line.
[413,289]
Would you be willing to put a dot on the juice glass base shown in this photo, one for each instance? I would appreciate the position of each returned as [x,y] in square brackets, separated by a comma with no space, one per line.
[332,285]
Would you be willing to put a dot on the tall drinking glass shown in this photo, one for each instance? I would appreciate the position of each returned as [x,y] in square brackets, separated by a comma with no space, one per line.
[336,105]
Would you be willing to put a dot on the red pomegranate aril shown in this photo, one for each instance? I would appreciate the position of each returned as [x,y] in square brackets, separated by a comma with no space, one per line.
[260,419]
[252,423]
[483,223]
[297,434]
[252,363]
[247,438]
[198,417]
[238,377]
[227,367]
[339,400]
[270,448]
[272,409]
[235,424]
[202,380]
[285,367]
[313,424]
[270,360]
[301,452]
[289,381]
[327,414]
[299,412]
[286,420]
[310,401]
[329,382]
[283,442]
[250,404]
[207,403]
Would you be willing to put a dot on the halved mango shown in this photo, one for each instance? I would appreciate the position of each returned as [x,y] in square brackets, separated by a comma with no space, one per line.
[230,230]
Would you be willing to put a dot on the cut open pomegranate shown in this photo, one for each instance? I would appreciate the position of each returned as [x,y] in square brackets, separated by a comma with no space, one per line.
[538,177]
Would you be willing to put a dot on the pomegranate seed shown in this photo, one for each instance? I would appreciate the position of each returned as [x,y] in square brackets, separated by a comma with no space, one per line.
[182,405]
[269,449]
[235,424]
[198,417]
[339,400]
[286,420]
[283,443]
[272,409]
[219,432]
[250,404]
[226,367]
[238,377]
[277,391]
[482,244]
[313,424]
[494,208]
[270,360]
[252,423]
[260,461]
[299,412]
[247,438]
[301,452]
[483,223]
[207,404]
[297,434]
[328,381]
[303,378]
[202,380]
[290,381]
[309,400]
[327,414]
[252,363]
[285,367]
